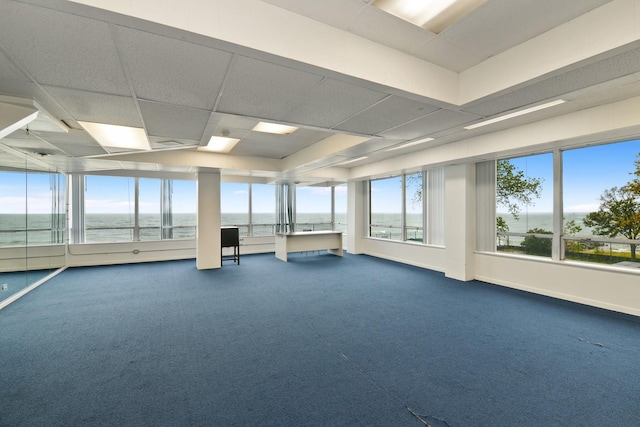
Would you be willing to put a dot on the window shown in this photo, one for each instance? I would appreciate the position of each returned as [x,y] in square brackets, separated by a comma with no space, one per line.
[414,193]
[122,209]
[109,204]
[409,207]
[386,208]
[263,209]
[524,204]
[601,203]
[149,216]
[184,202]
[313,208]
[340,208]
[234,206]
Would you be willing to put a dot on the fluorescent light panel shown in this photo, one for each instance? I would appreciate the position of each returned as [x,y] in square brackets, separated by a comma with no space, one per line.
[409,144]
[353,160]
[516,114]
[117,136]
[220,144]
[274,128]
[432,15]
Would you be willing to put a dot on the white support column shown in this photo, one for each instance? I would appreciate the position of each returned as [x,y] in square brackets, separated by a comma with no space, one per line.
[356,215]
[208,250]
[460,231]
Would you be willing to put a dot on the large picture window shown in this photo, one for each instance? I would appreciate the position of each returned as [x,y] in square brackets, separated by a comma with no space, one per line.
[601,201]
[598,191]
[409,207]
[125,209]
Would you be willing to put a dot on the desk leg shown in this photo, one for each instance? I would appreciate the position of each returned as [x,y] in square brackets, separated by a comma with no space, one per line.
[281,248]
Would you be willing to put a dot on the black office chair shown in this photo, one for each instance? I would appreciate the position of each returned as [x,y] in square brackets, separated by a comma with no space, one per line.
[230,238]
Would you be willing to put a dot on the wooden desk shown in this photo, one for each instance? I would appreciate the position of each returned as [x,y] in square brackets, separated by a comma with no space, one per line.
[308,241]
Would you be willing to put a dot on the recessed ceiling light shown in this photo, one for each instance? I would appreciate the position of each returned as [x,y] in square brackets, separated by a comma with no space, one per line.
[516,114]
[409,144]
[220,144]
[432,15]
[274,128]
[117,136]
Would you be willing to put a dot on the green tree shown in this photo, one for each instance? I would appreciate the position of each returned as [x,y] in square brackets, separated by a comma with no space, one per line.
[537,245]
[502,227]
[514,189]
[618,214]
[415,181]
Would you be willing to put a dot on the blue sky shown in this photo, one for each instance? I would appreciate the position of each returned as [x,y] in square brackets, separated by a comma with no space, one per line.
[587,172]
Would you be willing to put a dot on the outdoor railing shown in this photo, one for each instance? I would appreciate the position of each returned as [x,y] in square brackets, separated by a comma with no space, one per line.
[394,232]
[595,249]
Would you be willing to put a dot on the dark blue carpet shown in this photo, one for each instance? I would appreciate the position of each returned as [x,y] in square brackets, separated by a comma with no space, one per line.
[318,341]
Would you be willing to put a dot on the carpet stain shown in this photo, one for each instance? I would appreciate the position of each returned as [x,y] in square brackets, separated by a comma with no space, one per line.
[427,420]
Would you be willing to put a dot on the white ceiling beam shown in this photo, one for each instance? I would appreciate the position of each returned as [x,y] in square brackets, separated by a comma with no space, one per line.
[602,30]
[267,28]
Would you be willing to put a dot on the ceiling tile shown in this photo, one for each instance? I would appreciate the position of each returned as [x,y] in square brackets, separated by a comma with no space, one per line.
[191,75]
[264,90]
[387,114]
[55,55]
[9,71]
[170,121]
[430,124]
[97,107]
[332,102]
[262,144]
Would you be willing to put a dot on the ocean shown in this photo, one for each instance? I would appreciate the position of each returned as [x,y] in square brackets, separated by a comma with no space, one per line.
[41,229]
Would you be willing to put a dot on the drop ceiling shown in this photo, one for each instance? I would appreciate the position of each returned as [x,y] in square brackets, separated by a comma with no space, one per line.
[76,62]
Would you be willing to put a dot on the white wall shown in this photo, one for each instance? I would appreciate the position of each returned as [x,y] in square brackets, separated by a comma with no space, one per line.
[606,287]
[611,288]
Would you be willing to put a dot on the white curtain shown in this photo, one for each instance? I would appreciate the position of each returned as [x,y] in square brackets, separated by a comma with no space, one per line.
[166,208]
[435,206]
[284,208]
[486,206]
[77,208]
